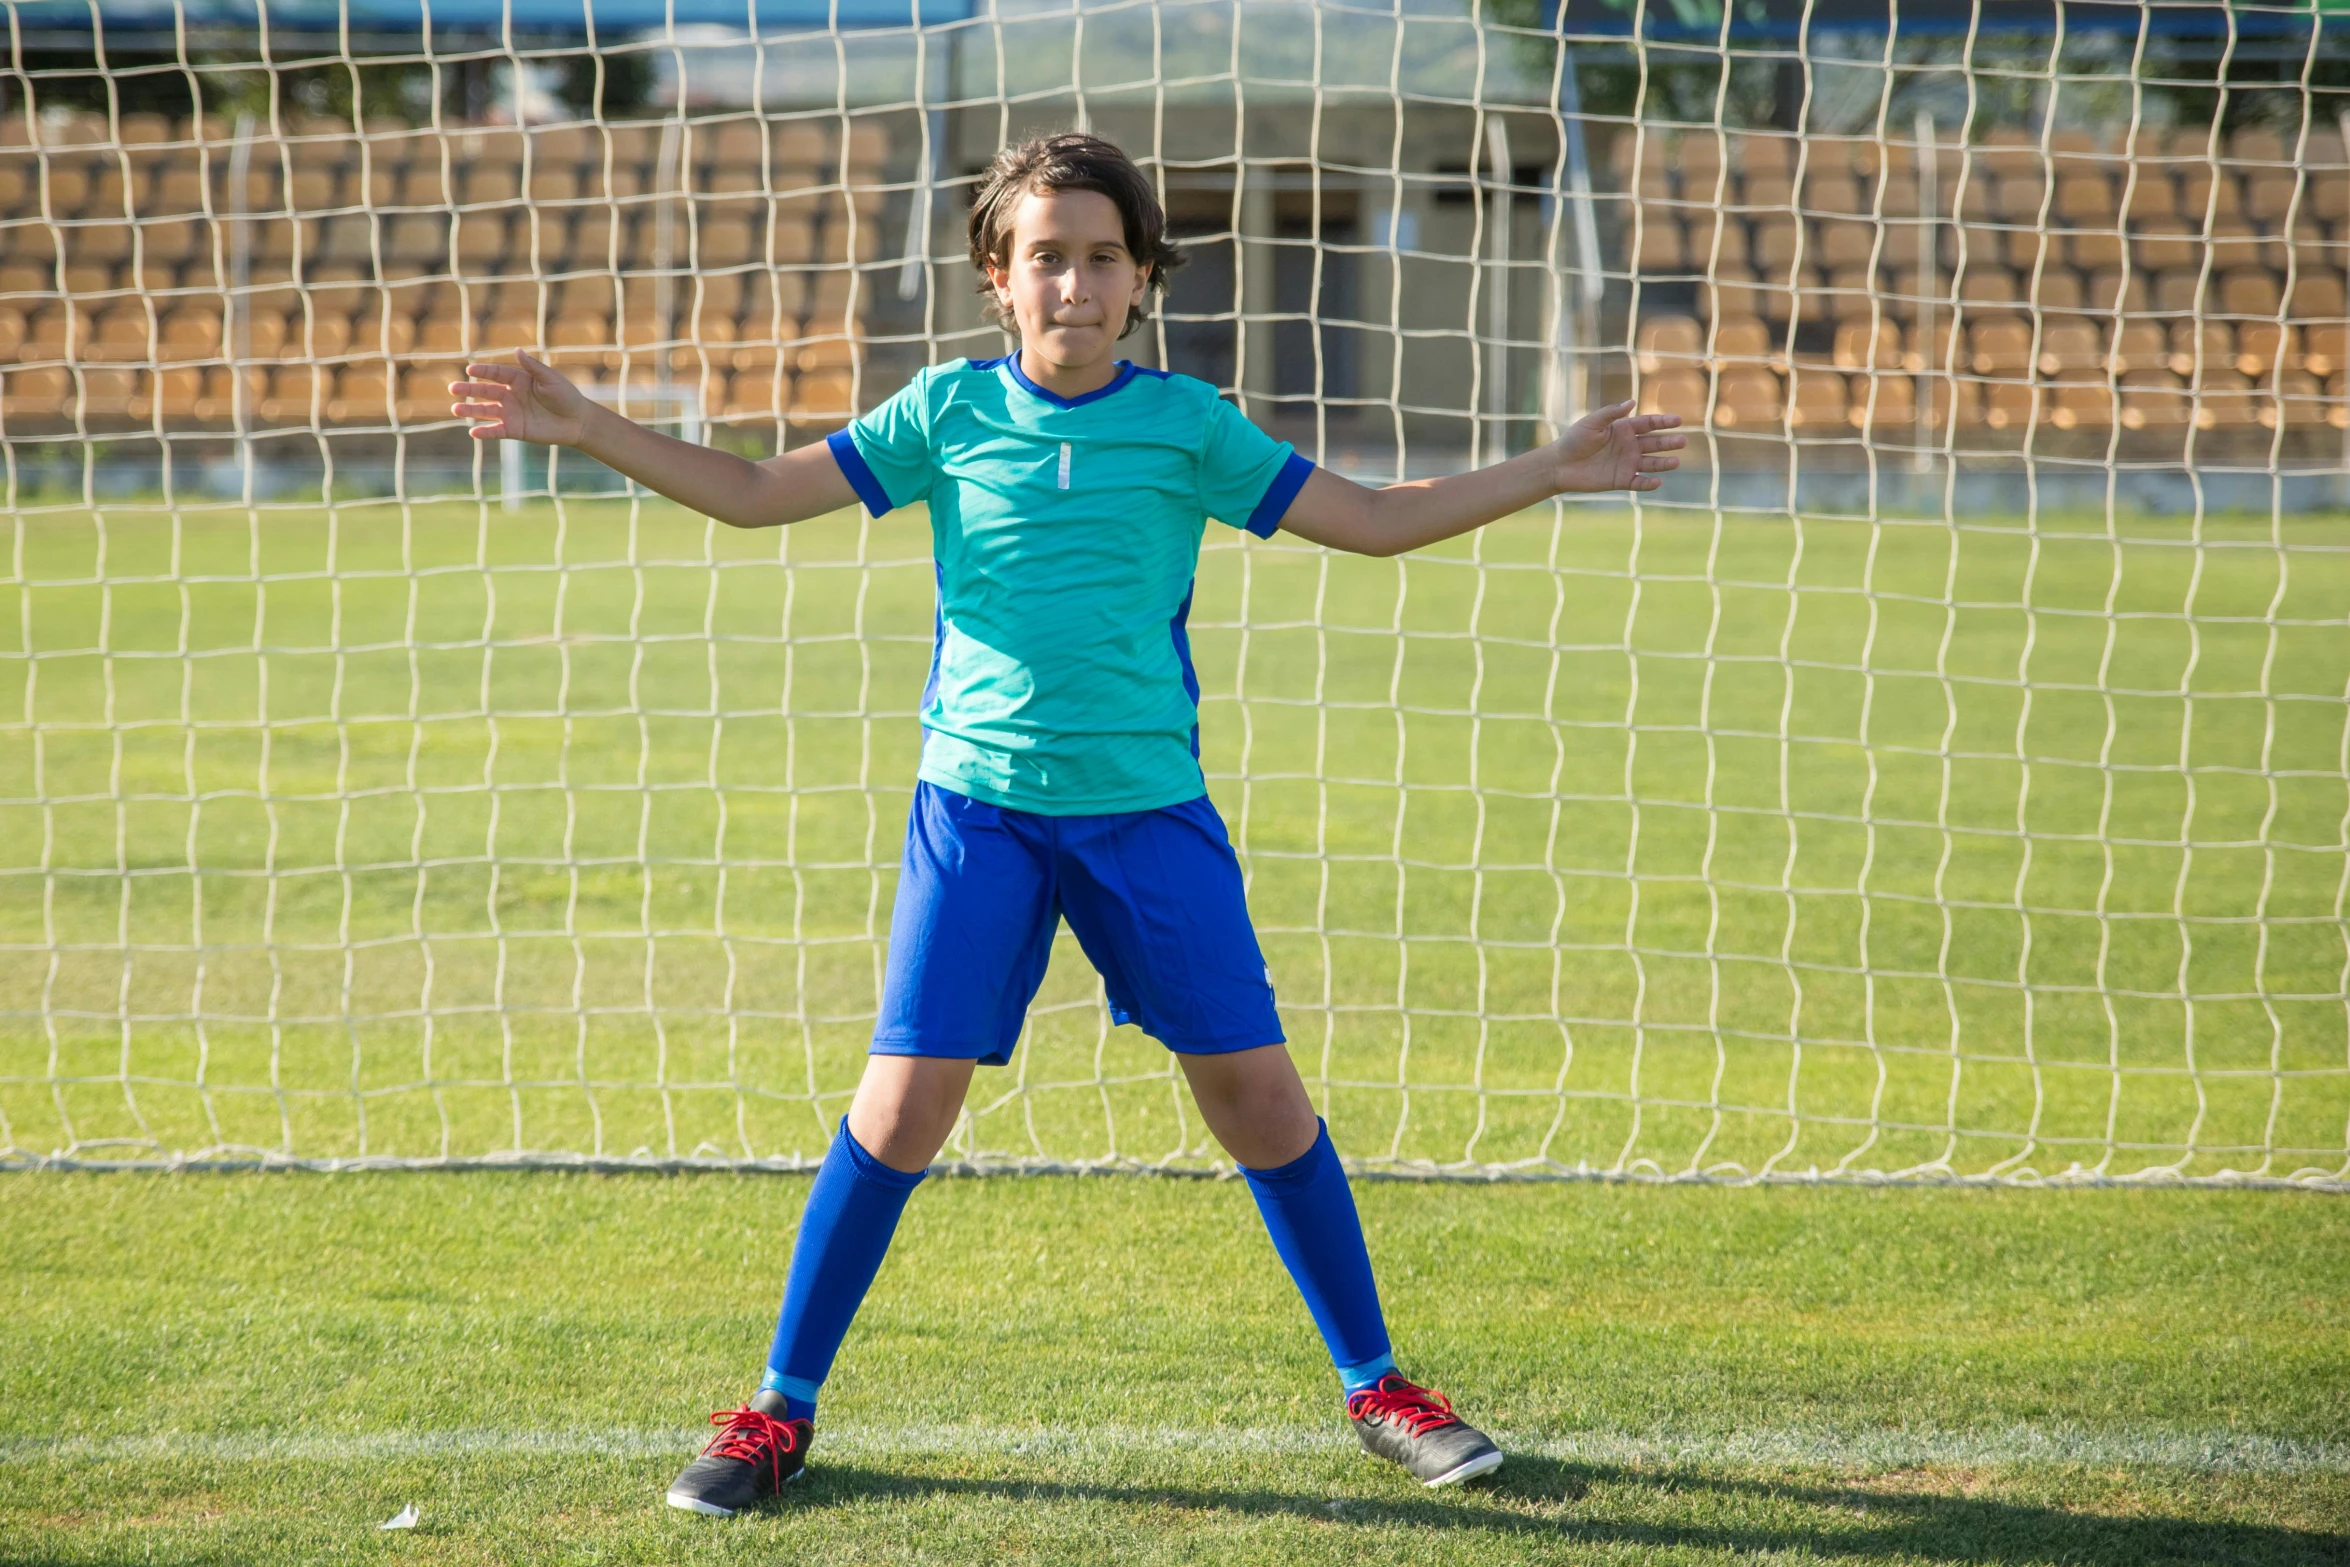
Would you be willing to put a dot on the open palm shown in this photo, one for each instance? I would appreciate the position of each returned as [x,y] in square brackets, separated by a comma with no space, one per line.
[1606,450]
[524,401]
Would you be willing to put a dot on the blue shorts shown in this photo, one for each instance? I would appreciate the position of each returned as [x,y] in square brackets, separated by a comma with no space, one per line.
[1154,898]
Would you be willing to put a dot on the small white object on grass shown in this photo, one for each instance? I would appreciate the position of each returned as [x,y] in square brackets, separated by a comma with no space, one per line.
[406,1518]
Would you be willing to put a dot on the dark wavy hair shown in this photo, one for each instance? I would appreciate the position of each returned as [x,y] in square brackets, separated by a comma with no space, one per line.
[1071,160]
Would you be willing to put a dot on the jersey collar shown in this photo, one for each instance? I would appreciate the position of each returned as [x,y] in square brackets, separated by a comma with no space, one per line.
[1011,362]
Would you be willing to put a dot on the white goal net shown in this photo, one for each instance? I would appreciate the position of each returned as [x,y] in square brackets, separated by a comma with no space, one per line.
[1942,778]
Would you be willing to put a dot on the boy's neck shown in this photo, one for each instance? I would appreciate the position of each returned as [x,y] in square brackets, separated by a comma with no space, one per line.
[1068,381]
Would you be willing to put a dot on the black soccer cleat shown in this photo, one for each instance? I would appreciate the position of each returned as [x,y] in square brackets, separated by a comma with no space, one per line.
[748,1462]
[1415,1427]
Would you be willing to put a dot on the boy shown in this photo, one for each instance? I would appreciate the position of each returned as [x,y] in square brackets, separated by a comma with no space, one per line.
[1060,777]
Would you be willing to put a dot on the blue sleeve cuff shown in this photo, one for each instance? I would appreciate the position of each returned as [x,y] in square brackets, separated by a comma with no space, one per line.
[1291,479]
[860,476]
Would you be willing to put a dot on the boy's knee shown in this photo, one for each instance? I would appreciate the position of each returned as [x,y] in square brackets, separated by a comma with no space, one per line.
[1255,1103]
[906,1106]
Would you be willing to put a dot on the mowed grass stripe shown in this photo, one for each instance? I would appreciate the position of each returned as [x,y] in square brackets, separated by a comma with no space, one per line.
[260,1369]
[2216,1452]
[1743,840]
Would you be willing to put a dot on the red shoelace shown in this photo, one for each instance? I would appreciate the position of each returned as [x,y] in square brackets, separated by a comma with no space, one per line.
[755,1437]
[1418,1410]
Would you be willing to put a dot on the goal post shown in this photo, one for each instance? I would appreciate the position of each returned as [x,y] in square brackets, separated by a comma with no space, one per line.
[1945,777]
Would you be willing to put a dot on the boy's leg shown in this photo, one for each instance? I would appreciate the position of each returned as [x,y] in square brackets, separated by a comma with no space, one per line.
[1155,898]
[1259,1111]
[970,935]
[904,1108]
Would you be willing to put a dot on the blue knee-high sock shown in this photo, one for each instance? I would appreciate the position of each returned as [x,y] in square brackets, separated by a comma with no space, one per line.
[852,1211]
[1310,1213]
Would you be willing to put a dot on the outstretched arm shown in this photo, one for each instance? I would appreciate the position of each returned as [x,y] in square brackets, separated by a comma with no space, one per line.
[1607,449]
[531,401]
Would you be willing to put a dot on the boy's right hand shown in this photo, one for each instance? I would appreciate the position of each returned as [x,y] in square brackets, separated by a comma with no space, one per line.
[525,401]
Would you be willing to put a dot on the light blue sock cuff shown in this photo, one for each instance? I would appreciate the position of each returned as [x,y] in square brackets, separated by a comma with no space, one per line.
[1358,1377]
[790,1387]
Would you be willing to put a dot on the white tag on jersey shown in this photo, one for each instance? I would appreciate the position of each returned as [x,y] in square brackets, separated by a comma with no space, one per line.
[1064,465]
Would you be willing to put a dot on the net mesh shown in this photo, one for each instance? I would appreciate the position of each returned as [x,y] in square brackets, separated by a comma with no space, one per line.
[1942,778]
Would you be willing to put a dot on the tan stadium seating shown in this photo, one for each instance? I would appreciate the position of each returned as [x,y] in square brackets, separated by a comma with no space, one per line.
[1816,398]
[1747,398]
[373,258]
[1883,401]
[2105,246]
[1669,341]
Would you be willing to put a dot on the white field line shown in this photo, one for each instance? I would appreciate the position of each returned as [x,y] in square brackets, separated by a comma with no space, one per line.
[2204,1451]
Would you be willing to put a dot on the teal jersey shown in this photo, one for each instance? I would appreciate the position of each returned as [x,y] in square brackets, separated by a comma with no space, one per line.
[1066,533]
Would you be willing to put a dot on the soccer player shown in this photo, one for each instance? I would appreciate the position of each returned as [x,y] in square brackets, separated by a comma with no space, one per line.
[1060,774]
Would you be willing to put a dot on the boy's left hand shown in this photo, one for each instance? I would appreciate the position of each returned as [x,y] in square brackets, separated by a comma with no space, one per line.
[1606,450]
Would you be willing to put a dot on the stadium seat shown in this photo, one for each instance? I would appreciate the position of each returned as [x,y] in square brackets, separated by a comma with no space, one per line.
[1829,189]
[120,335]
[2317,296]
[217,394]
[2000,347]
[2208,343]
[1674,391]
[1989,287]
[2324,347]
[2261,346]
[1851,292]
[2109,291]
[2151,199]
[1668,341]
[1883,401]
[1744,340]
[362,394]
[2223,399]
[2152,399]
[177,392]
[424,391]
[1747,398]
[2178,292]
[756,394]
[2083,200]
[326,335]
[2071,349]
[35,391]
[2167,247]
[57,332]
[2056,288]
[287,399]
[2302,403]
[110,393]
[2083,404]
[1817,398]
[2006,404]
[1662,247]
[1840,242]
[1863,346]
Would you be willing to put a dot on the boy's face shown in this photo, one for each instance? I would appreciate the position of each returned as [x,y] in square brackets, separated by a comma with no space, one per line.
[1070,280]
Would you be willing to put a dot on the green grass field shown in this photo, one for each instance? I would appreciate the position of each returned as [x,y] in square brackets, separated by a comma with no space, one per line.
[1676,844]
[259,1369]
[1687,843]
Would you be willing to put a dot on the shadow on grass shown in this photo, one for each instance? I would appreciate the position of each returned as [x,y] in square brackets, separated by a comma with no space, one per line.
[1544,1499]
